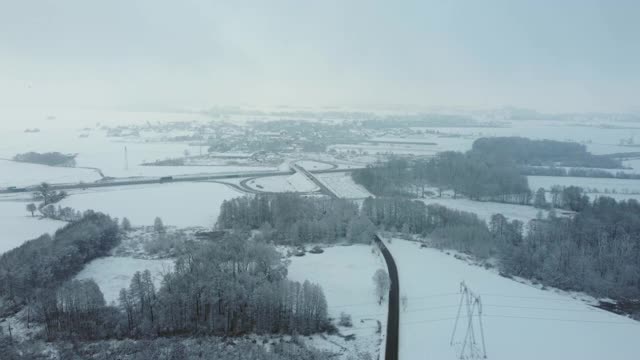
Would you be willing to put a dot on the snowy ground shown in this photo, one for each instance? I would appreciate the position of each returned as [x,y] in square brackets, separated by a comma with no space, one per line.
[17,224]
[343,185]
[345,273]
[114,273]
[283,183]
[520,321]
[23,174]
[484,209]
[178,204]
[311,165]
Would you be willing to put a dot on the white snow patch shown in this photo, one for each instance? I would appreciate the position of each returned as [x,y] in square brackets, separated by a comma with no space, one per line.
[24,174]
[520,321]
[343,185]
[114,273]
[177,204]
[283,183]
[485,209]
[345,274]
[17,224]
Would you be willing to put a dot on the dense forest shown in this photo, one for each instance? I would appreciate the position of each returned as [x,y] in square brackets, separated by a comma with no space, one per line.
[596,251]
[228,287]
[39,265]
[294,220]
[494,169]
[467,174]
[524,151]
[50,158]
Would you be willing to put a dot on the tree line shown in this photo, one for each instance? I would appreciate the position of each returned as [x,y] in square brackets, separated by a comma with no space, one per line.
[576,172]
[596,251]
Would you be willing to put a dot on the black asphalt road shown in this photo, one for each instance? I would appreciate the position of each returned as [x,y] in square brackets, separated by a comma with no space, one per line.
[393,320]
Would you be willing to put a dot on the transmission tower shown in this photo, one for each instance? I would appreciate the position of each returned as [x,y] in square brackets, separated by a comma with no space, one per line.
[472,304]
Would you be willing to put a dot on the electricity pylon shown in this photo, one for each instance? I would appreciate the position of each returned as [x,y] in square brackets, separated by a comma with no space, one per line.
[473,306]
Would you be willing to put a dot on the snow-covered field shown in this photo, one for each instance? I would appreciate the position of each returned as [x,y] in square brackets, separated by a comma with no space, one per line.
[345,274]
[520,321]
[23,174]
[485,209]
[114,273]
[311,165]
[343,185]
[620,188]
[17,224]
[178,204]
[283,183]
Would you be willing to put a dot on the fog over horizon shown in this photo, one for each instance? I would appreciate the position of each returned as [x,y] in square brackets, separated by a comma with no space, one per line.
[552,56]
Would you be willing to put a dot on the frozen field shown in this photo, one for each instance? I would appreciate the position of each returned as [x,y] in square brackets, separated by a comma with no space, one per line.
[620,188]
[345,273]
[17,224]
[283,183]
[178,204]
[343,185]
[520,321]
[114,273]
[484,210]
[22,174]
[311,165]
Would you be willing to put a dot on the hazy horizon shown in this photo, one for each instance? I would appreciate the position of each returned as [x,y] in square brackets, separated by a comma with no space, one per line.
[553,57]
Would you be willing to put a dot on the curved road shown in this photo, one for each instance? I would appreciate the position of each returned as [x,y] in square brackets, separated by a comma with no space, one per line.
[393,320]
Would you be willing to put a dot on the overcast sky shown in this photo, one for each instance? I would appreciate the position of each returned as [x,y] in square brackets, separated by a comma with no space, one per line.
[560,55]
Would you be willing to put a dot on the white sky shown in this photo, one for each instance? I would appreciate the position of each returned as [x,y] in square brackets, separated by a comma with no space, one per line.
[570,55]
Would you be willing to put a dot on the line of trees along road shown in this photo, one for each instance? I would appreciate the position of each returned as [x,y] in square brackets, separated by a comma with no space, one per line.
[596,251]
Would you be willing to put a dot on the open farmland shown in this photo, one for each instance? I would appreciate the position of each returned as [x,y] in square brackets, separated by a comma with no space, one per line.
[285,183]
[114,273]
[23,174]
[343,185]
[180,204]
[618,188]
[520,321]
[485,209]
[18,225]
[345,273]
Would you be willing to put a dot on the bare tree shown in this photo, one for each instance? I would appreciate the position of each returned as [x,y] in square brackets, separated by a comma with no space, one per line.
[382,283]
[158,225]
[126,224]
[32,209]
